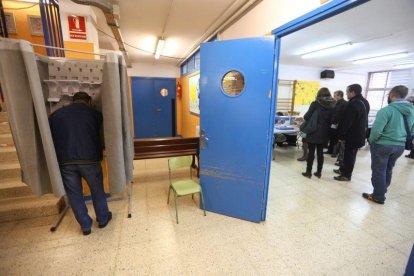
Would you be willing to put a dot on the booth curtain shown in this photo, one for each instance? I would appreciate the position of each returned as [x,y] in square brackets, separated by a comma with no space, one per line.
[21,76]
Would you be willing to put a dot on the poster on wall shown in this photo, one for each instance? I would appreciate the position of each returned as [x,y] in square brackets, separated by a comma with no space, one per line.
[305,92]
[194,91]
[77,27]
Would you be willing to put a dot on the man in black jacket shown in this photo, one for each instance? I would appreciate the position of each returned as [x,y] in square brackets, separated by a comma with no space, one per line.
[76,130]
[336,116]
[352,130]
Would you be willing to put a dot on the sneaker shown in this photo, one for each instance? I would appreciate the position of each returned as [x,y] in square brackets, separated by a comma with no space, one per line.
[103,225]
[86,232]
[337,171]
[342,178]
[372,198]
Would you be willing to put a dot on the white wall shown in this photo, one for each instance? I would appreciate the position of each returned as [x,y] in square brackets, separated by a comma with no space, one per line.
[154,69]
[68,8]
[340,82]
[268,15]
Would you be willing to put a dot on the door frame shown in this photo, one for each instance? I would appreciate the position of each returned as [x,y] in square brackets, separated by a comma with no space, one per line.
[326,11]
[174,100]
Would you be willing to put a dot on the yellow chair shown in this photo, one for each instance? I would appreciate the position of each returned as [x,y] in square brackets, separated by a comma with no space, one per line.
[183,187]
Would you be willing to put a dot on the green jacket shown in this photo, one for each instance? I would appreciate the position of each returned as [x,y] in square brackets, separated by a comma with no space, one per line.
[388,127]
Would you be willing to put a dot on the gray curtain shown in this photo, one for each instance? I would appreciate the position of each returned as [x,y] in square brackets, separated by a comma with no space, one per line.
[22,76]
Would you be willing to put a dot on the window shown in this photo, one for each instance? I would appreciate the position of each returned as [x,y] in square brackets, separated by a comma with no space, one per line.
[380,83]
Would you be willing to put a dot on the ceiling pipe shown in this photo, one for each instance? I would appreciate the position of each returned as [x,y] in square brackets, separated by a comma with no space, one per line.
[111,19]
[224,24]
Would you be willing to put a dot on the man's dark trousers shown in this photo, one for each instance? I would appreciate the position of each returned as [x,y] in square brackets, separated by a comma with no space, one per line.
[383,158]
[72,181]
[347,166]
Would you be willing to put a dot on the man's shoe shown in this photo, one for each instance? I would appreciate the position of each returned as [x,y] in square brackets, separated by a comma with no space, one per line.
[317,174]
[337,171]
[342,178]
[327,152]
[372,198]
[334,155]
[410,156]
[103,225]
[86,232]
[337,163]
[307,174]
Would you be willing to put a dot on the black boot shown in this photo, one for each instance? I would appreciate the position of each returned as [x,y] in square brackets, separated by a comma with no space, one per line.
[318,174]
[307,174]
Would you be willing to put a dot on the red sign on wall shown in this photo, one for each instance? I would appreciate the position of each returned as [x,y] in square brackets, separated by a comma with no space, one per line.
[77,27]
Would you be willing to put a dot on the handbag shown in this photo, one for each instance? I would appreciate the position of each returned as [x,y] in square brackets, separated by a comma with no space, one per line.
[409,138]
[311,125]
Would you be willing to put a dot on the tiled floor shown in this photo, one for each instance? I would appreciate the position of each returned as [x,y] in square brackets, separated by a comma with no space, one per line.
[314,227]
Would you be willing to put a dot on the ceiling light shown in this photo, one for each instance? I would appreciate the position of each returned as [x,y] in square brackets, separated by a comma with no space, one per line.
[403,66]
[380,58]
[160,46]
[328,51]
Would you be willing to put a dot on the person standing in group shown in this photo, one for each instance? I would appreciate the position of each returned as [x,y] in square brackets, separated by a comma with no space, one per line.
[336,117]
[387,140]
[321,112]
[411,154]
[76,133]
[352,130]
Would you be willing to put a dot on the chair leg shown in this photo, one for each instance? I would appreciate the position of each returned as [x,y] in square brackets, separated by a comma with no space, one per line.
[169,190]
[202,202]
[175,204]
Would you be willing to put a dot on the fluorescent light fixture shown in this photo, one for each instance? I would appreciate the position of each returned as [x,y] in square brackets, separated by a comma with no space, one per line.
[380,58]
[328,51]
[160,46]
[404,66]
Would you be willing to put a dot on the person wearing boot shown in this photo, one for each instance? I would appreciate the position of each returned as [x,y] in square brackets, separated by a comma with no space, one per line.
[304,157]
[352,130]
[322,107]
[339,108]
[411,154]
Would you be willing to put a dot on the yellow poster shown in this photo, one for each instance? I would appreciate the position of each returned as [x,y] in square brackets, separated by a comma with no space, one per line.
[194,83]
[305,92]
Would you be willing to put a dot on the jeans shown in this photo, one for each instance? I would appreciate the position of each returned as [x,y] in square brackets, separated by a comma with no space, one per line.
[92,173]
[383,158]
[347,166]
[311,157]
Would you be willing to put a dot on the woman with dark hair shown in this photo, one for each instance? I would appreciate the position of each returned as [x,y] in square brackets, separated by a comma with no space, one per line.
[322,108]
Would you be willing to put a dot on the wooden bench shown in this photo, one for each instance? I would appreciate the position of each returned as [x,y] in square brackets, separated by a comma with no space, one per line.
[149,148]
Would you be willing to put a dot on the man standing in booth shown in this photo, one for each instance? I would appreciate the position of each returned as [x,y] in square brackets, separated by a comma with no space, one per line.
[76,133]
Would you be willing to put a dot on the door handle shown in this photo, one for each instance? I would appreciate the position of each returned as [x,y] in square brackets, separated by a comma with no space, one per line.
[203,139]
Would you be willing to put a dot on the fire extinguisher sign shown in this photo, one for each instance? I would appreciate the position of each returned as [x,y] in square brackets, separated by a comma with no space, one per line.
[77,27]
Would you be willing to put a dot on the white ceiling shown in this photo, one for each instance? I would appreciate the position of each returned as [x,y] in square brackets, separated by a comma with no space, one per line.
[183,24]
[376,28]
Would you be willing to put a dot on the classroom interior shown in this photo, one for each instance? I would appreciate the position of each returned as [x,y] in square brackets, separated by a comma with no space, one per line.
[311,226]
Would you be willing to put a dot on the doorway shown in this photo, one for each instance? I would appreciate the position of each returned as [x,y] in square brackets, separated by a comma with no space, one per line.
[153,101]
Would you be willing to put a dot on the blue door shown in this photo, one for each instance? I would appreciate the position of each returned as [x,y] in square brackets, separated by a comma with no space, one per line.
[236,125]
[154,109]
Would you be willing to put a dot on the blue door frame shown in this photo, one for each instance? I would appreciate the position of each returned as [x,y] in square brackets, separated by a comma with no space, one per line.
[324,12]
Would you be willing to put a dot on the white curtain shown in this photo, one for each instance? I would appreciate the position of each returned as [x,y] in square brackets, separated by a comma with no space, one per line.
[22,76]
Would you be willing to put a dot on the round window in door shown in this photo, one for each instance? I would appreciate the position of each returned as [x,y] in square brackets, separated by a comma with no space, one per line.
[232,83]
[164,92]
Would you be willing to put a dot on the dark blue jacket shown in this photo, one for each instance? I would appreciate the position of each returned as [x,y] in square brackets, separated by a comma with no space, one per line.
[76,133]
